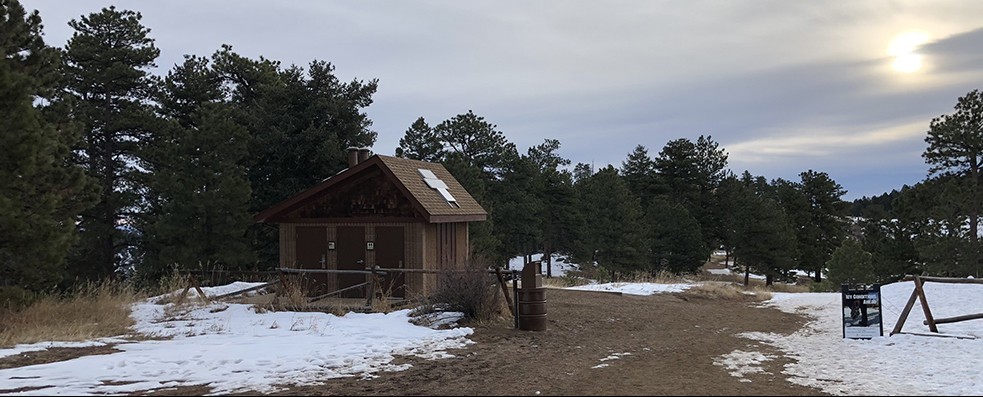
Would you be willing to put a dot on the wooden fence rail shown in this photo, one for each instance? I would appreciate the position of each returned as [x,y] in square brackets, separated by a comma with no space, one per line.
[919,294]
[377,273]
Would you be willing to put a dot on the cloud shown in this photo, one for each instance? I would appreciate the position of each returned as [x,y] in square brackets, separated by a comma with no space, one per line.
[784,85]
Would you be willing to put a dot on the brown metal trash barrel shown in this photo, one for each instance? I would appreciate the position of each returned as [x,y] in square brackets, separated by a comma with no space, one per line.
[532,309]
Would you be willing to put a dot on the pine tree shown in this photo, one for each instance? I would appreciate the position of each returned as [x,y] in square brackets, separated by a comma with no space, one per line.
[300,123]
[560,218]
[420,143]
[614,228]
[826,227]
[955,149]
[890,242]
[108,84]
[711,164]
[676,242]
[937,210]
[41,192]
[677,165]
[727,197]
[692,172]
[798,211]
[850,264]
[478,142]
[198,191]
[765,241]
[517,224]
[638,171]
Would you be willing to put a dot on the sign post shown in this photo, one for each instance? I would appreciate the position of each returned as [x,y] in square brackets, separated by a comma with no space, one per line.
[862,312]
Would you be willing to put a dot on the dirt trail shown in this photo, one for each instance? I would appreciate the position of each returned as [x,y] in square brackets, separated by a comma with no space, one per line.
[666,344]
[595,344]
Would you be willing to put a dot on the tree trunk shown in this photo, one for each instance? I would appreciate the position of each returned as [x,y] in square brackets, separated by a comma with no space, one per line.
[974,212]
[819,276]
[769,280]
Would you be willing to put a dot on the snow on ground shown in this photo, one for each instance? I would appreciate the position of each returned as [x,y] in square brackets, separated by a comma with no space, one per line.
[890,365]
[634,288]
[561,264]
[33,347]
[216,290]
[231,347]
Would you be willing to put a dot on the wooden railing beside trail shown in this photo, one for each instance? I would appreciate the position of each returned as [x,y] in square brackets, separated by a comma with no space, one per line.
[377,274]
[919,294]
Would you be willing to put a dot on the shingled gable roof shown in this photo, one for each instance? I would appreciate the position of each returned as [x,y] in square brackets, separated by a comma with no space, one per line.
[405,175]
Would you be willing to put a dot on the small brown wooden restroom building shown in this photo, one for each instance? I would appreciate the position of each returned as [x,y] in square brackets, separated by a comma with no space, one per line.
[381,211]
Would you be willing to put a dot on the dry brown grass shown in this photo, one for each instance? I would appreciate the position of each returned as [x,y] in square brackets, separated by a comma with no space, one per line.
[92,311]
[726,291]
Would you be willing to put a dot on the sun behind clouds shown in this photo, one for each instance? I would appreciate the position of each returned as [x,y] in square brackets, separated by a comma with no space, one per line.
[902,48]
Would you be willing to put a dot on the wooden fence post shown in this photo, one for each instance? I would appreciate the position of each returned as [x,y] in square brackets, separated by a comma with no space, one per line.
[905,312]
[371,295]
[505,289]
[928,312]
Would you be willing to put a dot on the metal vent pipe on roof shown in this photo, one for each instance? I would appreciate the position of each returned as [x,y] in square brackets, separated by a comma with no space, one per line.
[363,154]
[352,156]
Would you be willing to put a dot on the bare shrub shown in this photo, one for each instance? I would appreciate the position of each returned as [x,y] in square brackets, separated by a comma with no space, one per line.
[93,310]
[475,293]
[293,296]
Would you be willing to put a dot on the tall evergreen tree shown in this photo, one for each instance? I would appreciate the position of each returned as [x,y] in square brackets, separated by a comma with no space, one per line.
[937,211]
[560,218]
[299,124]
[676,242]
[711,164]
[798,211]
[420,143]
[955,148]
[198,191]
[728,198]
[41,191]
[890,241]
[691,172]
[106,62]
[638,171]
[766,242]
[614,222]
[478,142]
[677,166]
[827,224]
[517,222]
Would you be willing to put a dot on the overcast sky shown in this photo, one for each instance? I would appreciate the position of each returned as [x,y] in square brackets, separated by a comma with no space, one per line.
[844,87]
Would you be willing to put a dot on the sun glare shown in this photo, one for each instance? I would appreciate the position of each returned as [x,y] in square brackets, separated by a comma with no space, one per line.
[902,48]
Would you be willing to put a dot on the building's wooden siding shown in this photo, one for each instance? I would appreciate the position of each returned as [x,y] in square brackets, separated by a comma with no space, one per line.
[463,245]
[413,250]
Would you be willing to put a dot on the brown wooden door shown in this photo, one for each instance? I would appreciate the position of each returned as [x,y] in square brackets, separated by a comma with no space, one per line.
[312,253]
[351,256]
[389,249]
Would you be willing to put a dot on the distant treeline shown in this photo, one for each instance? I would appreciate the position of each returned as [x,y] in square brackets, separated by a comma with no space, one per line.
[881,203]
[112,171]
